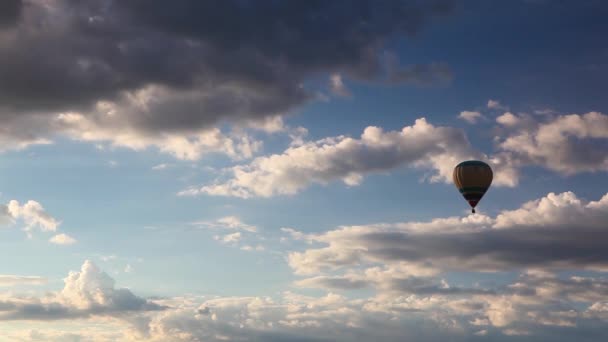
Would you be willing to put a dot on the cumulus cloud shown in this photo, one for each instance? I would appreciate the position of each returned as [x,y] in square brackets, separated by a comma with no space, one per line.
[470,116]
[495,104]
[187,146]
[410,302]
[33,215]
[508,119]
[292,318]
[333,317]
[86,293]
[158,75]
[549,232]
[349,160]
[567,144]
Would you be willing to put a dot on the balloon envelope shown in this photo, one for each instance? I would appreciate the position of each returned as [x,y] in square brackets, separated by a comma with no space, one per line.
[472,178]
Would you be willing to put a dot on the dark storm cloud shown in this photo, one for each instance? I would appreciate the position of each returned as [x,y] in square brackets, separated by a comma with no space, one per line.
[217,59]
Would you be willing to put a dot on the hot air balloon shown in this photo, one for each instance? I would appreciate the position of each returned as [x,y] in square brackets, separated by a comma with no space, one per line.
[472,178]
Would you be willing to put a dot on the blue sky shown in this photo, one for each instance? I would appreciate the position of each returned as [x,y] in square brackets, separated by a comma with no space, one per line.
[281,171]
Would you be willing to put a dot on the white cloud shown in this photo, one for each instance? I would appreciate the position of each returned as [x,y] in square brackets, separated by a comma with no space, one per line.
[86,293]
[537,304]
[62,239]
[513,239]
[508,119]
[567,144]
[564,209]
[349,160]
[33,215]
[470,116]
[294,317]
[92,289]
[564,143]
[182,146]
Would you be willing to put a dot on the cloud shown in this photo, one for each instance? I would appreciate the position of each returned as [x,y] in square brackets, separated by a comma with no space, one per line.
[10,11]
[337,86]
[257,248]
[538,305]
[32,214]
[241,237]
[188,146]
[494,104]
[547,233]
[162,166]
[62,239]
[333,317]
[86,293]
[349,160]
[34,217]
[229,238]
[326,282]
[395,279]
[295,234]
[14,280]
[227,222]
[508,119]
[148,74]
[58,335]
[568,144]
[93,290]
[470,117]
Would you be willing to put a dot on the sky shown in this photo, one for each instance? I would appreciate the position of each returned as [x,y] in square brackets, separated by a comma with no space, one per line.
[282,170]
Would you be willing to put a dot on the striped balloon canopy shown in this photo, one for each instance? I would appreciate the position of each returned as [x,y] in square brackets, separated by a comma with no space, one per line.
[472,178]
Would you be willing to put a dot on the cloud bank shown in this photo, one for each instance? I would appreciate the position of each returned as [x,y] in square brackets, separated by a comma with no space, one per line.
[144,74]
